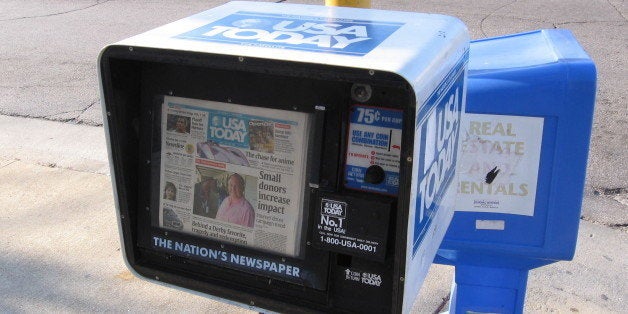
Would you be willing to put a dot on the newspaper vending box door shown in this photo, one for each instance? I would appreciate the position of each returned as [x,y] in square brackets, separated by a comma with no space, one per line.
[274,155]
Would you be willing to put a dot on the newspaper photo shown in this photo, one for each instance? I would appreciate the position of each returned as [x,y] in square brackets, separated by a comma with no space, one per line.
[233,173]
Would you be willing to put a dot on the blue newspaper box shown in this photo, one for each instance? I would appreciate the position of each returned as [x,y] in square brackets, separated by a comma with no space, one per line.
[525,140]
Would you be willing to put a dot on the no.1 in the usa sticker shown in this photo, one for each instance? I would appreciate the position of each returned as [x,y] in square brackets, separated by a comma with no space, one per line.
[373,149]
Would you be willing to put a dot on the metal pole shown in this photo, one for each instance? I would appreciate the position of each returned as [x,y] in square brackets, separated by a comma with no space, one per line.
[349,3]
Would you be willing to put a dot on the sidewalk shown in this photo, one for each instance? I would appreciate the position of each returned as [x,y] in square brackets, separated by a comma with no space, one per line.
[60,249]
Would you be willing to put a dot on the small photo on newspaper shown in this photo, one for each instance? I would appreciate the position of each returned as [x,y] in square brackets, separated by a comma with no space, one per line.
[224,196]
[178,124]
[233,173]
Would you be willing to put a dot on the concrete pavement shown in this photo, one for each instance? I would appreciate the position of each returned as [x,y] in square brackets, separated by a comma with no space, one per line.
[49,52]
[59,246]
[60,249]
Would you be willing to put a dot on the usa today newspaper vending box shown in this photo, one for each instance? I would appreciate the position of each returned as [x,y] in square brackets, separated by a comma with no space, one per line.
[525,141]
[287,157]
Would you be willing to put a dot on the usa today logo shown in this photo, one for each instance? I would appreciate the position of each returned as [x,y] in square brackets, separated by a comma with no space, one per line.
[341,36]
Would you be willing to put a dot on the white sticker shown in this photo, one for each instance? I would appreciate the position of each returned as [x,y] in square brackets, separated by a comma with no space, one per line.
[490,225]
[499,163]
[374,140]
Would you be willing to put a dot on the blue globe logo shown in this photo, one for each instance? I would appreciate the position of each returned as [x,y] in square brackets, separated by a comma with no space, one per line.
[250,23]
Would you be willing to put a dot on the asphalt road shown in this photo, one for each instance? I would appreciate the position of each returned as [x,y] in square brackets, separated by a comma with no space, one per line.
[49,51]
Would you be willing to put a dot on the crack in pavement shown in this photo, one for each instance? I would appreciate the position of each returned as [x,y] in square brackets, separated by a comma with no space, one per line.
[610,191]
[442,305]
[554,24]
[50,117]
[88,107]
[619,195]
[68,168]
[584,22]
[10,163]
[80,111]
[616,9]
[490,14]
[616,226]
[98,2]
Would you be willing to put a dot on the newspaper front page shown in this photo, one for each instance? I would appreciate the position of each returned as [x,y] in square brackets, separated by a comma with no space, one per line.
[233,173]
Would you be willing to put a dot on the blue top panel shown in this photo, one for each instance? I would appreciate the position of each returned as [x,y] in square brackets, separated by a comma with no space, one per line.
[543,74]
[514,51]
[524,50]
[330,35]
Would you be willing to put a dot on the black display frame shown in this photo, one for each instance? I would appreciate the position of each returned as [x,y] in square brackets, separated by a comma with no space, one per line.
[131,93]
